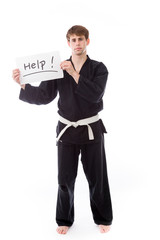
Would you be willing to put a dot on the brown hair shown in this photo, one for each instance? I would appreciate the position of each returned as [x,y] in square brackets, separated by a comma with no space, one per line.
[77,30]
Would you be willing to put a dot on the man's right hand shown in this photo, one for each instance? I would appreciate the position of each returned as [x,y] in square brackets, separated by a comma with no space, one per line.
[16,77]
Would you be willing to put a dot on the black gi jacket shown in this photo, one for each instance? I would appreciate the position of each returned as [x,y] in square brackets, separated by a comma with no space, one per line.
[76,101]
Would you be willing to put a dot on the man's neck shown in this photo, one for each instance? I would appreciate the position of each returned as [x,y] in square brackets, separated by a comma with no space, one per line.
[79,60]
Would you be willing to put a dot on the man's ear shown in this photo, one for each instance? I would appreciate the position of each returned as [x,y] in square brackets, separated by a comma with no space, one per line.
[88,41]
[68,43]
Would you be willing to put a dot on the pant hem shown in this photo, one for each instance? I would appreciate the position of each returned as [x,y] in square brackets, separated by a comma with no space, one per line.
[104,223]
[64,224]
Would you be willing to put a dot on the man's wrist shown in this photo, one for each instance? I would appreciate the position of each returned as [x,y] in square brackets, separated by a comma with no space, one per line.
[23,86]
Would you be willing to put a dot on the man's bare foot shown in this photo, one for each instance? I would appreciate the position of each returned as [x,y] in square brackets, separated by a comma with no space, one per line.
[62,229]
[104,228]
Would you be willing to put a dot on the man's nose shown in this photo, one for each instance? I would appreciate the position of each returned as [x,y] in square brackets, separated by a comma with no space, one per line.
[77,42]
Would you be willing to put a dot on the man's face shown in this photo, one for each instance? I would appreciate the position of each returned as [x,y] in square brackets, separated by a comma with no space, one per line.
[78,44]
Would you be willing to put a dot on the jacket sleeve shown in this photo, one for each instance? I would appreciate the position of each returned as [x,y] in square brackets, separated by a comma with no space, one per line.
[43,94]
[93,89]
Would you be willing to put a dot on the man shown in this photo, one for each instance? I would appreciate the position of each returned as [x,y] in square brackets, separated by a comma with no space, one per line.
[79,130]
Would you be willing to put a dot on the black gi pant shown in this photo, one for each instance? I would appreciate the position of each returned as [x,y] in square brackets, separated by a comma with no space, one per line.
[94,165]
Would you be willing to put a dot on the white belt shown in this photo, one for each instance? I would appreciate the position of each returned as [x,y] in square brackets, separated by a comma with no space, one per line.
[85,121]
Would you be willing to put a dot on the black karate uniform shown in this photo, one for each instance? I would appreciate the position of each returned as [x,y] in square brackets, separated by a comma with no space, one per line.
[76,102]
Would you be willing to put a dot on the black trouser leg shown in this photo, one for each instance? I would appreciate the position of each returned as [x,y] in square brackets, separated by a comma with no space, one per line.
[94,164]
[67,172]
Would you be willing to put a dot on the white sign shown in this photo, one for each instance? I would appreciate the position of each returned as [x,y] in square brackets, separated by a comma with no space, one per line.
[40,67]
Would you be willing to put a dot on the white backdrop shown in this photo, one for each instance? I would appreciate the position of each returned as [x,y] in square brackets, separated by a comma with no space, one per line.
[125,36]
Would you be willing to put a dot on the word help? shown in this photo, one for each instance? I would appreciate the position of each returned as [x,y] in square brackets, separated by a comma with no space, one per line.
[40,67]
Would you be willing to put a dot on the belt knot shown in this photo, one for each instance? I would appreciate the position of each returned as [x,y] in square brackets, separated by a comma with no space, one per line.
[82,122]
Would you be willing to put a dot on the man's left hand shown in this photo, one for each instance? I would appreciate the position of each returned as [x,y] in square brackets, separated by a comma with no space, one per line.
[67,65]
